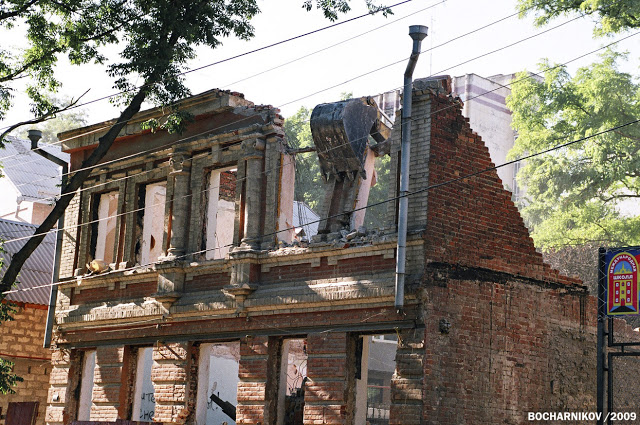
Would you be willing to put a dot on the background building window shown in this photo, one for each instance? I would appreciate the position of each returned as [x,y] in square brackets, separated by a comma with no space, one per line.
[373,388]
[86,385]
[217,376]
[144,400]
[107,219]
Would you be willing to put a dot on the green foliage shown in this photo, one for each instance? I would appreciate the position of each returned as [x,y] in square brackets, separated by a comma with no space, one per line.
[8,379]
[175,122]
[332,8]
[611,16]
[308,185]
[157,38]
[578,194]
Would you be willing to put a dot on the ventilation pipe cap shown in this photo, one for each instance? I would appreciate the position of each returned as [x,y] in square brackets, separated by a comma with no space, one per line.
[418,32]
[34,136]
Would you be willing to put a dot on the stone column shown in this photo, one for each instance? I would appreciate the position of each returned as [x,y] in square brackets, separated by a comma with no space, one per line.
[180,164]
[254,157]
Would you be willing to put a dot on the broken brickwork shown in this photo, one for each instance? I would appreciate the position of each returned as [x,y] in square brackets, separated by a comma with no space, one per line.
[488,333]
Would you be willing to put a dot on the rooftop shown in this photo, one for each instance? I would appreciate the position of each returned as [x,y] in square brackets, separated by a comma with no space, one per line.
[37,269]
[35,178]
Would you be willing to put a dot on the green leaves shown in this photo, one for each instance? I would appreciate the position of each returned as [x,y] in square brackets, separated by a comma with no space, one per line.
[581,193]
[611,16]
[7,378]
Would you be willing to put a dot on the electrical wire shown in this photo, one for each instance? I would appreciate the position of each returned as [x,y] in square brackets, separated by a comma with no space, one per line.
[430,49]
[335,147]
[101,165]
[244,54]
[392,199]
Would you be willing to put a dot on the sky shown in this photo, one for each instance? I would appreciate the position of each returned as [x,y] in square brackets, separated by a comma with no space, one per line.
[365,56]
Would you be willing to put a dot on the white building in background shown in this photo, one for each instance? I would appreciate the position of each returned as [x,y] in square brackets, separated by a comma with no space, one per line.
[305,221]
[485,106]
[29,182]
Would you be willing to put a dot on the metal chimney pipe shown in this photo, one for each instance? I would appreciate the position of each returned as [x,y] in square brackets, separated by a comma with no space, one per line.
[417,34]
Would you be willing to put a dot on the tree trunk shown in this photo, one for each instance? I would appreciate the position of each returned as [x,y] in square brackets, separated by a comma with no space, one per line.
[69,190]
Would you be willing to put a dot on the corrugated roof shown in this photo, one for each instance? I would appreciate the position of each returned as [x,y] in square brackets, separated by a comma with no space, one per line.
[36,178]
[38,268]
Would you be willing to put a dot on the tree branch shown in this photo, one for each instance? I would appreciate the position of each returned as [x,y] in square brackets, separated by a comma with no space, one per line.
[17,12]
[68,191]
[77,179]
[45,117]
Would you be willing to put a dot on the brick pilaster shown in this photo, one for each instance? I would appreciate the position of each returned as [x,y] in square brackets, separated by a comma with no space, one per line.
[108,391]
[327,399]
[171,374]
[257,389]
[407,384]
[63,381]
[70,237]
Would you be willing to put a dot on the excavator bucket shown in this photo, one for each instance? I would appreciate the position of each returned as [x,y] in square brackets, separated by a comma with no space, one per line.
[340,133]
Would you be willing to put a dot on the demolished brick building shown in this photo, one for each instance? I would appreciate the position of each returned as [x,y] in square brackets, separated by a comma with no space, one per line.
[208,313]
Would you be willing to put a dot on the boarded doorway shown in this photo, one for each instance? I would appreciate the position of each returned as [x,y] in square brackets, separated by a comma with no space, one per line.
[23,413]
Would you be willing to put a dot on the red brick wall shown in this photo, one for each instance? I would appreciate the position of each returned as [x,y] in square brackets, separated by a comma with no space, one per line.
[227,189]
[21,342]
[258,370]
[134,290]
[329,396]
[473,222]
[514,346]
[344,267]
[207,282]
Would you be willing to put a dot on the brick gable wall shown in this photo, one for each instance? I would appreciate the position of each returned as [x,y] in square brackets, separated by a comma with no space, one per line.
[473,222]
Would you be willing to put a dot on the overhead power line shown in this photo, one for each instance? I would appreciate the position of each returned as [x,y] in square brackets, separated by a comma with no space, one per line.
[259,49]
[392,199]
[432,113]
[381,68]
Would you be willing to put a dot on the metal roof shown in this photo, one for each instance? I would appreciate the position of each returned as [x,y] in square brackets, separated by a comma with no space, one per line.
[38,268]
[34,177]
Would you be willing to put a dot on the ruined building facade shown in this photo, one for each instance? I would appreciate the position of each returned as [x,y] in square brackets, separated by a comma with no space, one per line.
[208,311]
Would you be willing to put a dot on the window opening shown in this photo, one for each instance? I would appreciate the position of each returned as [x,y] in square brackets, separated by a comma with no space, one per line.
[106,235]
[86,385]
[218,383]
[373,386]
[293,379]
[151,249]
[221,210]
[144,400]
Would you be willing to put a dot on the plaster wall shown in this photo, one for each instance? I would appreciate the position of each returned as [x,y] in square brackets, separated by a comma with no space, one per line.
[153,227]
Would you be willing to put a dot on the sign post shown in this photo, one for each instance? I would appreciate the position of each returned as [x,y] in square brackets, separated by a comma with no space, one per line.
[618,295]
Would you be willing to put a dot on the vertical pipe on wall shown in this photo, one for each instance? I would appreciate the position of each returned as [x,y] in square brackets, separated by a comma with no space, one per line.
[35,136]
[417,34]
